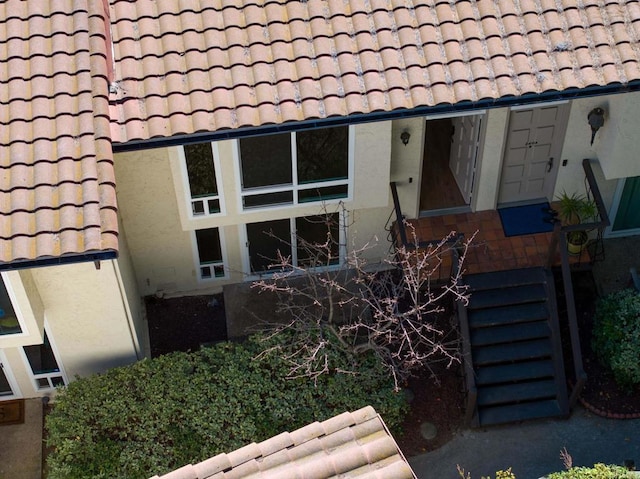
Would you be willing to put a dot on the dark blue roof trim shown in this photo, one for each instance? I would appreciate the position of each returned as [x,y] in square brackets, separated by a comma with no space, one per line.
[56,261]
[227,134]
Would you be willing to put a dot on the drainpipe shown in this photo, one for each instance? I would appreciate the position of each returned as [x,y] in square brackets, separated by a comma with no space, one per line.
[127,311]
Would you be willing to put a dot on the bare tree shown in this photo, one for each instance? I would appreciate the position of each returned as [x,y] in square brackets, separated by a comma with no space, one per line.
[387,308]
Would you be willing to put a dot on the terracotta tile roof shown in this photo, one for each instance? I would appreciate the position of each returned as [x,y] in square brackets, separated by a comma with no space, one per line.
[57,193]
[196,65]
[349,445]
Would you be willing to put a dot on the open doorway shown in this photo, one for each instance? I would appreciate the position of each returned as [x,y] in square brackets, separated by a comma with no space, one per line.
[449,163]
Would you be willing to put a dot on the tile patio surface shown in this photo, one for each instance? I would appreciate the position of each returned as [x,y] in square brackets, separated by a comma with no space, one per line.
[490,250]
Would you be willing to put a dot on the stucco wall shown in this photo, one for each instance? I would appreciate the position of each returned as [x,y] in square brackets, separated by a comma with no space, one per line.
[86,321]
[154,210]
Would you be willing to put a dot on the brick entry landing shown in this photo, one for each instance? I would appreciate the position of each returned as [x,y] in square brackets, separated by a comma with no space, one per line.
[491,250]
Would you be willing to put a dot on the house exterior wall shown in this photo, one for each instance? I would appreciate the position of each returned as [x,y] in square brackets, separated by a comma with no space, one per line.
[86,318]
[154,208]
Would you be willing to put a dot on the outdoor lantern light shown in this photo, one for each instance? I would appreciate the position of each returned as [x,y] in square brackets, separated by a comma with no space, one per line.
[405,137]
[596,120]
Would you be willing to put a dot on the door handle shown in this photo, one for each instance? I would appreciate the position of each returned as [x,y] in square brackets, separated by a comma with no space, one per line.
[550,164]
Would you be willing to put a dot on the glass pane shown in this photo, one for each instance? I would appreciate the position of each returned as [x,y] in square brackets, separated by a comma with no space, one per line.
[205,272]
[202,176]
[266,160]
[323,154]
[315,237]
[57,381]
[43,383]
[628,215]
[214,206]
[5,387]
[322,194]
[268,199]
[265,240]
[41,358]
[209,249]
[197,207]
[8,320]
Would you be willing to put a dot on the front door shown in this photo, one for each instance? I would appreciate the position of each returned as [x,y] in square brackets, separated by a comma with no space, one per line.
[464,152]
[8,387]
[532,153]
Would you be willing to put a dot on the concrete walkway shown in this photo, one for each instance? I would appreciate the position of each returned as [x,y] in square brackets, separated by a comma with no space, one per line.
[21,445]
[532,449]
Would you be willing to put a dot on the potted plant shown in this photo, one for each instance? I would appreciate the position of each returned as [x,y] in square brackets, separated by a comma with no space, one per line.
[576,209]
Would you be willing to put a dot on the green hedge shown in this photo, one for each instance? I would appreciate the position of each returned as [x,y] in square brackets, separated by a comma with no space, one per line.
[616,335]
[159,414]
[598,471]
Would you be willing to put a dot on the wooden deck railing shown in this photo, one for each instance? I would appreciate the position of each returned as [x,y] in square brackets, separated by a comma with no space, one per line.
[559,243]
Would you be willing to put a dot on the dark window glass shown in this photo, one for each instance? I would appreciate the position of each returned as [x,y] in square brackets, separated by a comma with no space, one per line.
[8,320]
[202,176]
[268,199]
[266,160]
[265,240]
[209,249]
[312,234]
[324,193]
[41,358]
[323,154]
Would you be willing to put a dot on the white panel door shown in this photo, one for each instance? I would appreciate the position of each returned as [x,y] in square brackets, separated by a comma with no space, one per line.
[464,152]
[532,153]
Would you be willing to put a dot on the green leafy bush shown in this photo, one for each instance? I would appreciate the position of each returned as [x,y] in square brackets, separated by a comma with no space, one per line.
[159,414]
[616,335]
[598,471]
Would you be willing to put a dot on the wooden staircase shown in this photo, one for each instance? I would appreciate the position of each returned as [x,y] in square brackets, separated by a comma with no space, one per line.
[512,347]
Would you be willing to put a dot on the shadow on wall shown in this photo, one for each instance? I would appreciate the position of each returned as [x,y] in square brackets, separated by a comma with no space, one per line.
[101,365]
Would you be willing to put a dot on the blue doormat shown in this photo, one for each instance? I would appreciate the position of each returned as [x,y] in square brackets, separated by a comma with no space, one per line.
[526,220]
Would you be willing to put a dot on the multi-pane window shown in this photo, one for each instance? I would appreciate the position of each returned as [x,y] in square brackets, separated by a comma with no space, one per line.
[307,241]
[44,366]
[210,257]
[294,168]
[9,323]
[203,184]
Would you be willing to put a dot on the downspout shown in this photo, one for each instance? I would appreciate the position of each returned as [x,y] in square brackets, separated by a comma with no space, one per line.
[127,311]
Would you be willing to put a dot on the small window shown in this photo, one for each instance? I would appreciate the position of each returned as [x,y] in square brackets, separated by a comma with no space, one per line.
[44,365]
[9,323]
[203,184]
[210,258]
[294,168]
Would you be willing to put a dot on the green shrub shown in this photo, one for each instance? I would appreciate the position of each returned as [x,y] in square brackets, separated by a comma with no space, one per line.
[159,414]
[616,335]
[598,471]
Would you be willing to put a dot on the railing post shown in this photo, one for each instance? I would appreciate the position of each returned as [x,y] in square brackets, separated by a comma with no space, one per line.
[399,218]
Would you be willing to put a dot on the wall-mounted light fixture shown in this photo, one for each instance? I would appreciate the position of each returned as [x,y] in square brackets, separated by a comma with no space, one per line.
[596,120]
[404,137]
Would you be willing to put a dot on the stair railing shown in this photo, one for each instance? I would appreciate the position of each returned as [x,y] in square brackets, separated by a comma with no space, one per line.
[559,242]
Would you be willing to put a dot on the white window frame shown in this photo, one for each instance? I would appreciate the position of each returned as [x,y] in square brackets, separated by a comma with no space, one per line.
[342,246]
[189,200]
[24,330]
[11,379]
[48,376]
[295,187]
[196,257]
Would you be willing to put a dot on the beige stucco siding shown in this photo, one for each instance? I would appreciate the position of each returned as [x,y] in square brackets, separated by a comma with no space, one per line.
[154,206]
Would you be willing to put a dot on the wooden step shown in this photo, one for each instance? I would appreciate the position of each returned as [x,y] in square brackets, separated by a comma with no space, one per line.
[492,298]
[505,373]
[506,353]
[517,313]
[520,412]
[510,333]
[518,392]
[503,279]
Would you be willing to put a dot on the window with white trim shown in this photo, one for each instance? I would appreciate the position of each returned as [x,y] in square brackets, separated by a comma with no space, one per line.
[9,322]
[204,189]
[210,254]
[45,368]
[295,239]
[295,168]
